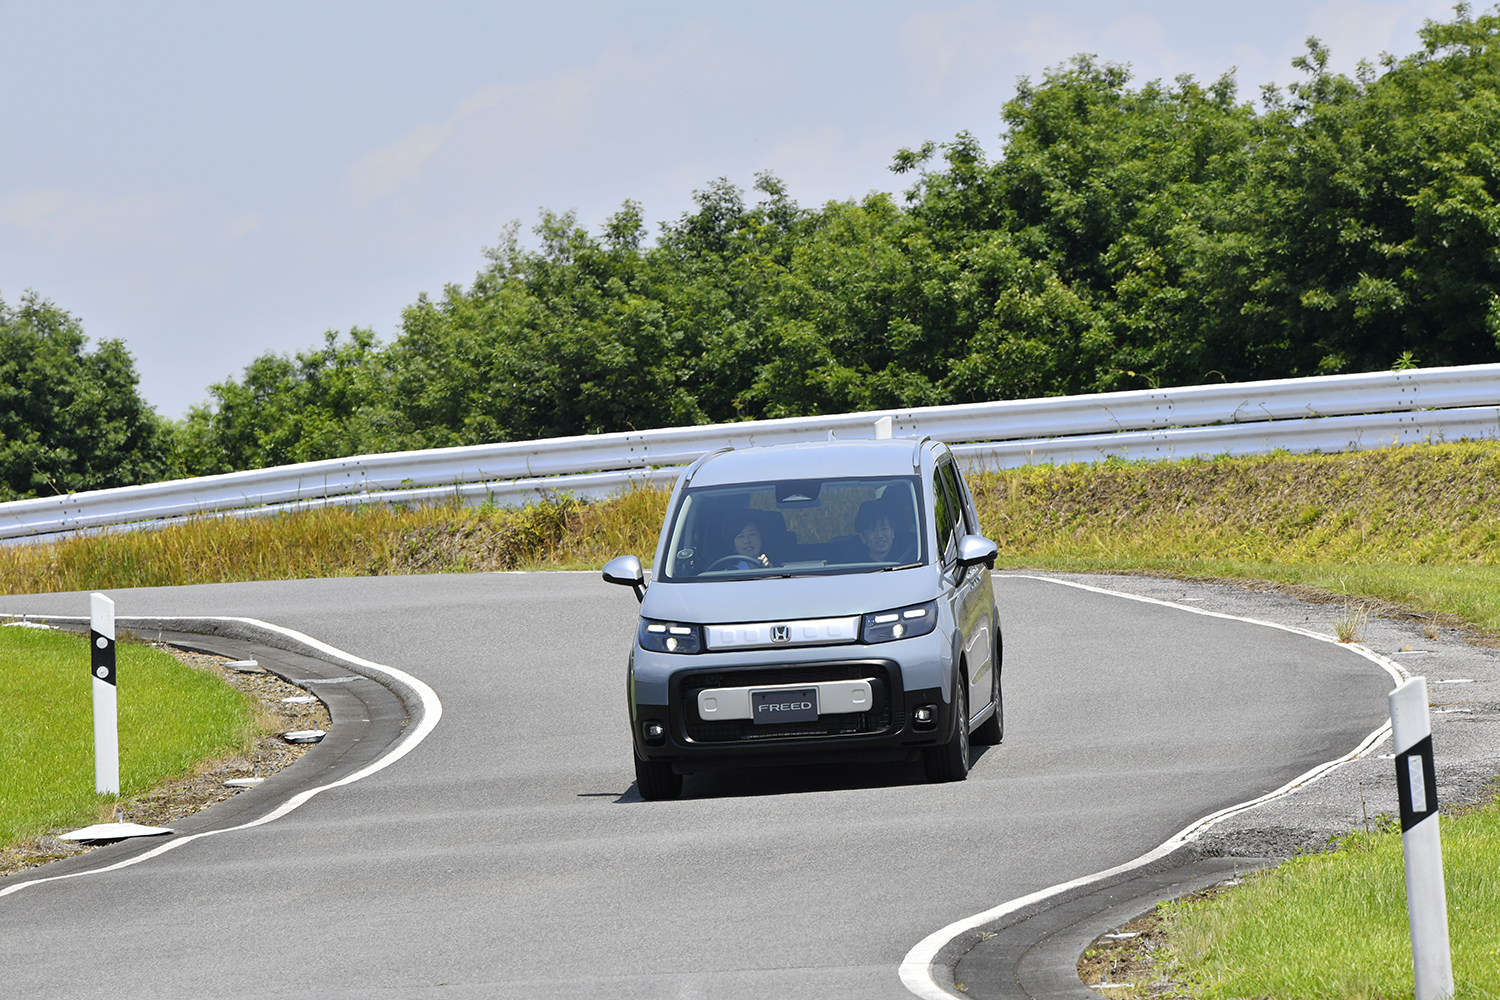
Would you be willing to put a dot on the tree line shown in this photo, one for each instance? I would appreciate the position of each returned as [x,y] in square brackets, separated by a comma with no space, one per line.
[1123,237]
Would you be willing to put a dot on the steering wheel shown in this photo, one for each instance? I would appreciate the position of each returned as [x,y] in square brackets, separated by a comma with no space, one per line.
[728,562]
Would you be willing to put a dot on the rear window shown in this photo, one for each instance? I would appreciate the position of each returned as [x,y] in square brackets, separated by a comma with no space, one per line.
[796,527]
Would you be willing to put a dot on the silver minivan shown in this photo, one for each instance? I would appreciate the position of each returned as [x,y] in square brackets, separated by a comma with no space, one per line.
[814,603]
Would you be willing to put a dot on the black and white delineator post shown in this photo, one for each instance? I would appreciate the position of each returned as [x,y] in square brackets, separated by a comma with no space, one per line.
[106,718]
[1416,788]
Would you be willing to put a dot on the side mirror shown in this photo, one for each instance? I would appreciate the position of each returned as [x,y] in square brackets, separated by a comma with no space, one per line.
[976,549]
[626,571]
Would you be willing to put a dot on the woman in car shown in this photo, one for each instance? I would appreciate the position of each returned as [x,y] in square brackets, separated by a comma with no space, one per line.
[875,523]
[749,545]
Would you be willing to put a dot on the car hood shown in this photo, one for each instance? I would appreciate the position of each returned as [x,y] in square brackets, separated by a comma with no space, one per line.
[788,599]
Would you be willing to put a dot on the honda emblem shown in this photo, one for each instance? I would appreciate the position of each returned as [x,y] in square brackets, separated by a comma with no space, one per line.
[781,633]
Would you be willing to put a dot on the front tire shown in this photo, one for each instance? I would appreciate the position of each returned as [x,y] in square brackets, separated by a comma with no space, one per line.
[656,780]
[992,730]
[950,762]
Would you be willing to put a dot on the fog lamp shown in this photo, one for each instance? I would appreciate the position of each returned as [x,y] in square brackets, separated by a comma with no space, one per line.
[654,733]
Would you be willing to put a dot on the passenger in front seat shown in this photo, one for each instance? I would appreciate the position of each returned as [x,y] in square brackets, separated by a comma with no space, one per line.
[876,525]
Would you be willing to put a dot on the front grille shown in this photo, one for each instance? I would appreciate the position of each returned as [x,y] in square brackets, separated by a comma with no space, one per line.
[886,714]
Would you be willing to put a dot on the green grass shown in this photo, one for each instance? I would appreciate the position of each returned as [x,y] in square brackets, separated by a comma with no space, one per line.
[170,718]
[1333,926]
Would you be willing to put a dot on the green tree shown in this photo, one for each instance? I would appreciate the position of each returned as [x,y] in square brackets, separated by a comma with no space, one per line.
[1384,224]
[1123,236]
[318,404]
[70,419]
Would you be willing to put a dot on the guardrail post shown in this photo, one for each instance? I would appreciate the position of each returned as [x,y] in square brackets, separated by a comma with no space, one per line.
[102,667]
[1416,789]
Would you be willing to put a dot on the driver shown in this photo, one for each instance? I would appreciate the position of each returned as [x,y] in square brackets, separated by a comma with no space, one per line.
[749,546]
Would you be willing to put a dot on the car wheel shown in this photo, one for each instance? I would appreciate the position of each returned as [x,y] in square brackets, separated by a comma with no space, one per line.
[950,762]
[992,730]
[655,780]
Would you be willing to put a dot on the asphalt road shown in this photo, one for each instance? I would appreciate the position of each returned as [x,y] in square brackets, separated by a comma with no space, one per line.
[508,855]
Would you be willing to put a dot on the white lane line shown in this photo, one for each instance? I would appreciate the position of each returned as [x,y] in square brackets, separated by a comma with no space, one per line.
[432,711]
[917,967]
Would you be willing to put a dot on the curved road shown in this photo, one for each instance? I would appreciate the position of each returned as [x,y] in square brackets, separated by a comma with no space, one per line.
[508,855]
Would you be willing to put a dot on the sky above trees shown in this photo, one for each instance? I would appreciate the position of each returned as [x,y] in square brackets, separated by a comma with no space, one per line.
[209,182]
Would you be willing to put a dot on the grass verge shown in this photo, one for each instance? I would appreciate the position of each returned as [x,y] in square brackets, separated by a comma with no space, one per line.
[341,541]
[170,718]
[1417,526]
[1333,926]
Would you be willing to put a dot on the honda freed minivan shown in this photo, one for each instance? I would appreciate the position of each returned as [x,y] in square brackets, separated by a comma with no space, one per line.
[814,603]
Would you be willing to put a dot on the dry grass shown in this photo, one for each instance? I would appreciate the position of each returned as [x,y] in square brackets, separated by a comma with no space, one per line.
[1416,526]
[339,541]
[1349,626]
[1415,505]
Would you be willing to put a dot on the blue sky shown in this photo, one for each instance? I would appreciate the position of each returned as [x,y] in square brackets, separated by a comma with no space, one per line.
[211,181]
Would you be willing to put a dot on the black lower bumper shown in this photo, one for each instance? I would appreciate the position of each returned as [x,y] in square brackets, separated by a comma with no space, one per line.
[901,738]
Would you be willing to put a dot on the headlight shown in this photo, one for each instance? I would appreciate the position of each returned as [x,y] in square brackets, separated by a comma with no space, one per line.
[669,637]
[901,623]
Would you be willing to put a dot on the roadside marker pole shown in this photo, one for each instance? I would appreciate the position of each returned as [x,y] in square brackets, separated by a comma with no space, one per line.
[1416,788]
[102,666]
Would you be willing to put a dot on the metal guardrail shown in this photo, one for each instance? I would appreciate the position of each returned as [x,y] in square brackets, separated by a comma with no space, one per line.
[1329,434]
[1330,414]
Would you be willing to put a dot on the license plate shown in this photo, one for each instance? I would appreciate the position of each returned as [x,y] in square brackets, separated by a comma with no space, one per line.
[784,705]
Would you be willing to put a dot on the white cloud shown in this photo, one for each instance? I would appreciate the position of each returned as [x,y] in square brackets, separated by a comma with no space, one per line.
[1361,29]
[1050,37]
[629,111]
[381,171]
[983,45]
[956,47]
[935,41]
[68,218]
[240,226]
[1136,33]
[808,147]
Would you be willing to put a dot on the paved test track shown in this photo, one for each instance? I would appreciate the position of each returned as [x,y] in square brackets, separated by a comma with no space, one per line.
[508,855]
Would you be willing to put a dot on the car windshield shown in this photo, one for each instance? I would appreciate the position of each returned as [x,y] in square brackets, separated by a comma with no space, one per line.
[796,527]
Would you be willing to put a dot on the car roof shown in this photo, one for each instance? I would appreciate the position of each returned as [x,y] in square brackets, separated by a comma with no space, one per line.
[809,460]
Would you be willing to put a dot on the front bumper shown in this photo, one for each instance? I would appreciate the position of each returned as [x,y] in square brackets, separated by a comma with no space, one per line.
[664,702]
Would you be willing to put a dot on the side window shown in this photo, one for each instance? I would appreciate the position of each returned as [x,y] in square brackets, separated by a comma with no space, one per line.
[956,499]
[942,514]
[947,512]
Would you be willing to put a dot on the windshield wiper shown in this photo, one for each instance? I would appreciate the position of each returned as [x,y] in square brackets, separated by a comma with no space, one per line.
[888,569]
